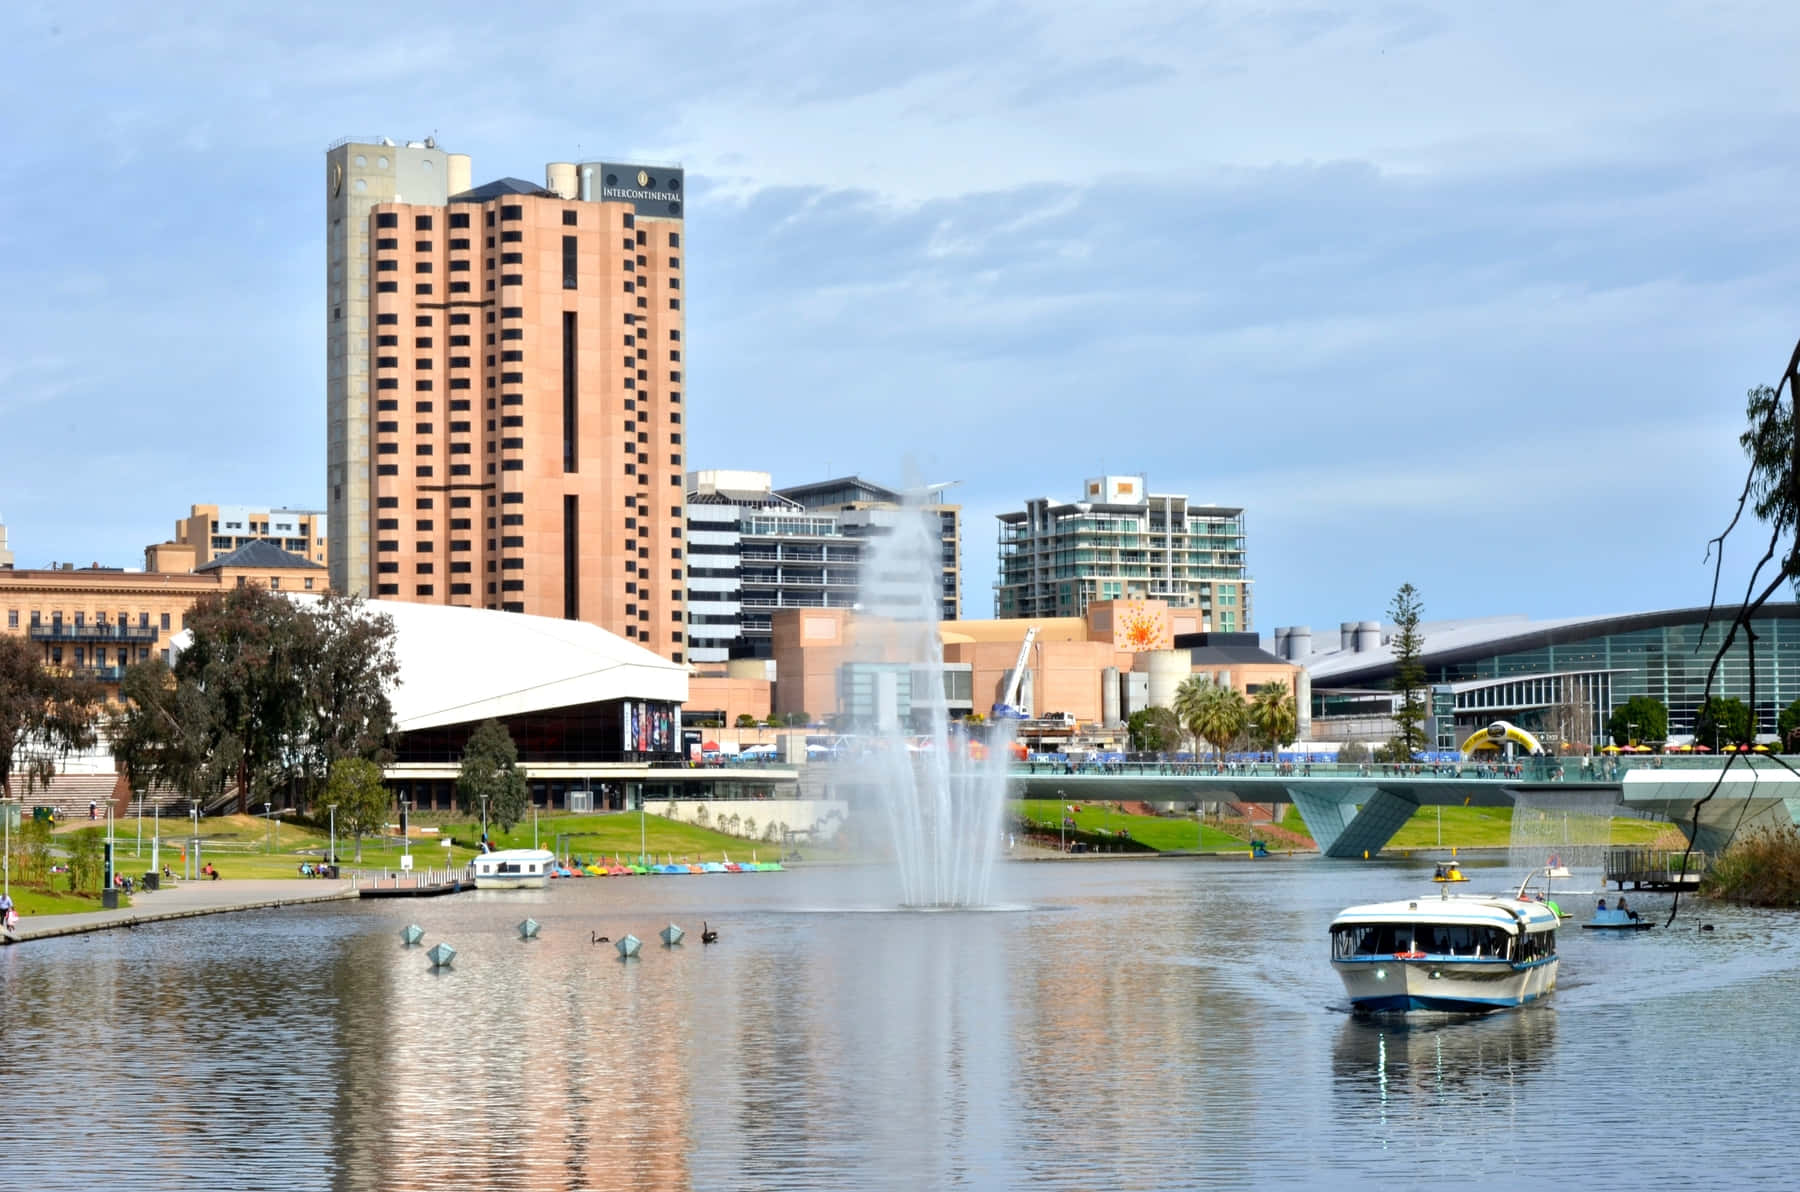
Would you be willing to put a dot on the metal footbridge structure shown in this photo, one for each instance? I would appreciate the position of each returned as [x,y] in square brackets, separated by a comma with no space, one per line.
[1352,809]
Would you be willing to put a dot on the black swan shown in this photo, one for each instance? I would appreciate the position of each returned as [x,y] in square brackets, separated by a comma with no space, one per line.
[707,936]
[598,938]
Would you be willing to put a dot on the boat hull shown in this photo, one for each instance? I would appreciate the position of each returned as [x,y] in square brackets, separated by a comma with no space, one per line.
[512,881]
[1443,984]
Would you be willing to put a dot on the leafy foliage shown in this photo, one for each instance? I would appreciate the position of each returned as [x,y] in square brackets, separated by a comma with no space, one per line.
[1725,717]
[491,776]
[1763,869]
[269,693]
[1153,730]
[1788,724]
[1769,442]
[1353,753]
[44,714]
[1219,715]
[362,801]
[1273,717]
[1409,673]
[87,860]
[745,720]
[1650,716]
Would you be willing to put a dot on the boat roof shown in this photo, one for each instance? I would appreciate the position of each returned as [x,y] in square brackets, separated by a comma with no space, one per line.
[1504,913]
[516,854]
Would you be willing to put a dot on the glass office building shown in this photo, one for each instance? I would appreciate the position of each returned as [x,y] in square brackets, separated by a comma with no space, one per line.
[1526,671]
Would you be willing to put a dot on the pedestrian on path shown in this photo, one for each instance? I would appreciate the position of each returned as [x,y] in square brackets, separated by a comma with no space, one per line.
[9,918]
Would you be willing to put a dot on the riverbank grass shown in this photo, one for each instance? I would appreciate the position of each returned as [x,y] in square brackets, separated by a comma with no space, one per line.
[1157,833]
[1763,869]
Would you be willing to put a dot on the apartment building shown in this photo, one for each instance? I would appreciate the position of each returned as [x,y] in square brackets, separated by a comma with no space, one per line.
[209,531]
[865,510]
[1121,541]
[751,552]
[506,414]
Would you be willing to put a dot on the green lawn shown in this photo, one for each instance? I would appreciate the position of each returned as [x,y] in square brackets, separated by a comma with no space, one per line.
[616,834]
[1478,827]
[32,901]
[1160,833]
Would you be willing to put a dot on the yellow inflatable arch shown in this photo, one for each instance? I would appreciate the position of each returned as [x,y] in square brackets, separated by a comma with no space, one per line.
[1497,734]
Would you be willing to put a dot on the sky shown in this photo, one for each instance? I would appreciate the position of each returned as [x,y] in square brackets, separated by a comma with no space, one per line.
[1466,296]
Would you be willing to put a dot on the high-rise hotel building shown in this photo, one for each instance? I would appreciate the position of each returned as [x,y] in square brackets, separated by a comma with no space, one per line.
[505,387]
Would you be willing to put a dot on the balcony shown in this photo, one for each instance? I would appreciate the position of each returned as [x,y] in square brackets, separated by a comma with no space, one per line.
[99,674]
[58,631]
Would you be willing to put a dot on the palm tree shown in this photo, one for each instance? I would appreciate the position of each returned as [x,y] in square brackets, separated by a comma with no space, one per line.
[1273,716]
[1221,716]
[1189,697]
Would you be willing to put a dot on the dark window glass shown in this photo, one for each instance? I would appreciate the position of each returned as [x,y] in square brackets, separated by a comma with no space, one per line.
[569,275]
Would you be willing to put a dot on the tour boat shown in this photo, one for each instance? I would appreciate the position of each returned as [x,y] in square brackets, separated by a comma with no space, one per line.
[513,869]
[1453,955]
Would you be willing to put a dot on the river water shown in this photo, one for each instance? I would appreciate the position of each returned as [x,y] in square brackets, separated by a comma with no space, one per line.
[1119,1024]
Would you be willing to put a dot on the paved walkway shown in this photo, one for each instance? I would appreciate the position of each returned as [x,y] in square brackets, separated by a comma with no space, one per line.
[184,901]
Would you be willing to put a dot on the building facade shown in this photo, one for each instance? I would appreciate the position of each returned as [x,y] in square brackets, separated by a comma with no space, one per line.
[869,510]
[6,555]
[507,415]
[96,621]
[1123,542]
[213,530]
[752,552]
[1558,679]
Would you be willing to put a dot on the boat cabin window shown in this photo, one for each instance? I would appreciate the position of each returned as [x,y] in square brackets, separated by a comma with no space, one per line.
[1537,946]
[1436,939]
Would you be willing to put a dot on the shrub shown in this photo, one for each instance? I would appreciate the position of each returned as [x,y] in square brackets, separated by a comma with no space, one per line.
[745,720]
[701,818]
[1763,869]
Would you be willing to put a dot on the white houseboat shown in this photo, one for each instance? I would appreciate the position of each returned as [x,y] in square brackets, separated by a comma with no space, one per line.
[1454,955]
[513,869]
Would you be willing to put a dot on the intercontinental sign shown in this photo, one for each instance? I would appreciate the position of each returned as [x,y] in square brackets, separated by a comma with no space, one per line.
[654,190]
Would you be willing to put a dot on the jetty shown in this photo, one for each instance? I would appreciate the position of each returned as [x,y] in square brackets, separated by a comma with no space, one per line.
[417,883]
[1655,868]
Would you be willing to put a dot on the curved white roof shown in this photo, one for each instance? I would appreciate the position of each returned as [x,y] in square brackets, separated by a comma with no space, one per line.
[463,664]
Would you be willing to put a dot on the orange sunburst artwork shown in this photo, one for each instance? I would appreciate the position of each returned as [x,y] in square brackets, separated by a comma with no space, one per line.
[1142,629]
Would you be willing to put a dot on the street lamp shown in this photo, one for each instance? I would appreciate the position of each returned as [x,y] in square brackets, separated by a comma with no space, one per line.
[194,853]
[1631,732]
[1062,819]
[268,814]
[484,819]
[331,857]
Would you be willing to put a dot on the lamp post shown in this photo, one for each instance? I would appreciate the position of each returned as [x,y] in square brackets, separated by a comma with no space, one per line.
[1631,732]
[194,853]
[643,832]
[484,819]
[268,814]
[6,850]
[1062,819]
[331,858]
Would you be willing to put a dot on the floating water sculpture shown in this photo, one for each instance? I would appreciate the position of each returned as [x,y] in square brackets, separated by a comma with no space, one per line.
[411,934]
[528,929]
[441,955]
[671,935]
[628,947]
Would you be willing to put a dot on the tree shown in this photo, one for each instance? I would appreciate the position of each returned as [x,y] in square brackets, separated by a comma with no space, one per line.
[1788,725]
[491,777]
[269,692]
[87,860]
[1273,718]
[1189,697]
[1353,753]
[362,801]
[745,720]
[1650,717]
[45,715]
[1772,447]
[798,719]
[1725,719]
[1409,672]
[1219,714]
[1153,730]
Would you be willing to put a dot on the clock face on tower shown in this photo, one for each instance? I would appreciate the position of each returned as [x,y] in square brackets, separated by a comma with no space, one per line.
[337,178]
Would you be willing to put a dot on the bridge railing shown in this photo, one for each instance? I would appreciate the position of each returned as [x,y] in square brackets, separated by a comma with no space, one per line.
[1530,769]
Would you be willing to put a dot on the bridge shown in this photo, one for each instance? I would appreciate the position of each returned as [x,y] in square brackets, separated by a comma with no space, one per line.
[1350,809]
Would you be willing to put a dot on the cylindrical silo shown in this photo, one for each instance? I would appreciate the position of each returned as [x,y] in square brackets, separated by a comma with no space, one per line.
[458,169]
[1299,643]
[559,179]
[1347,635]
[1368,636]
[1281,641]
[1109,697]
[1165,670]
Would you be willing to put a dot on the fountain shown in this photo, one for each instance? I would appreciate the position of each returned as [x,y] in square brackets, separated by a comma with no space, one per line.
[942,797]
[1566,828]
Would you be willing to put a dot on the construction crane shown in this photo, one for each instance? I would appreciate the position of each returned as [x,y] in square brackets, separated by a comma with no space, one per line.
[1007,708]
